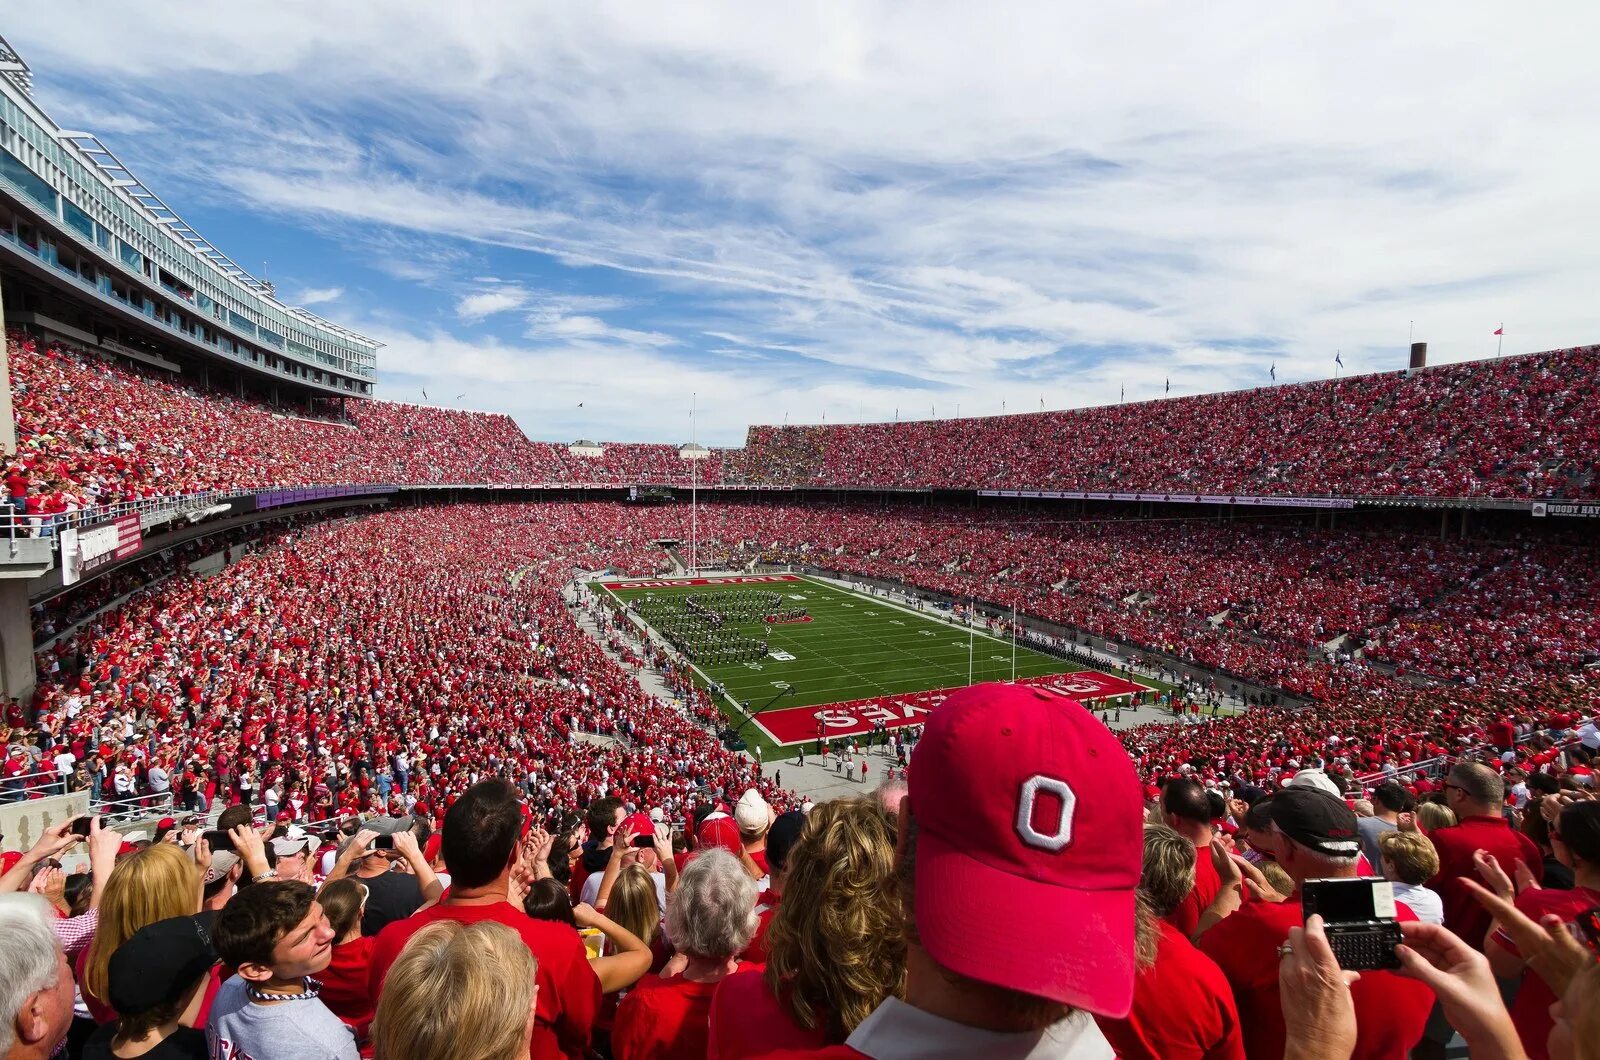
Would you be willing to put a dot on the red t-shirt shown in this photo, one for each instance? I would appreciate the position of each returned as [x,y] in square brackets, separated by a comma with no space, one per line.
[1531,1011]
[663,1019]
[747,1020]
[1207,884]
[1391,1012]
[766,909]
[569,991]
[346,983]
[1462,913]
[1182,1008]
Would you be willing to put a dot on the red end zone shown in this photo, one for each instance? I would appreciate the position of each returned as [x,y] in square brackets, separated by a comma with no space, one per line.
[749,579]
[799,724]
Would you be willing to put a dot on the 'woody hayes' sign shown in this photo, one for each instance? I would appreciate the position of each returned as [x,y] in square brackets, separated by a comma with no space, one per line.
[798,724]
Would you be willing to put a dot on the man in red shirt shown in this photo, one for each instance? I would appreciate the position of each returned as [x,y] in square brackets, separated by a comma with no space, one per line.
[1019,846]
[1183,1007]
[480,844]
[1186,808]
[1476,794]
[1316,839]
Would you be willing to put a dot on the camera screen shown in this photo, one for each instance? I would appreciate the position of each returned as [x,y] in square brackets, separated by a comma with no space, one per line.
[1342,901]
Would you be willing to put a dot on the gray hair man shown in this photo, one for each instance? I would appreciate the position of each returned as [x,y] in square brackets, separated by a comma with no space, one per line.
[35,981]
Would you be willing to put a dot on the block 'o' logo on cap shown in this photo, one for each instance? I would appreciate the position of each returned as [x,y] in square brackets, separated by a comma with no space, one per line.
[1052,842]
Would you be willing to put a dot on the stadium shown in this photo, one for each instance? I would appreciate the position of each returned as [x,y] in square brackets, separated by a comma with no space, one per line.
[302,635]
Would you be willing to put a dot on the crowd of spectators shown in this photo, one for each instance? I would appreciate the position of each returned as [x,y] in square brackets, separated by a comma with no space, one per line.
[256,652]
[1514,427]
[1160,922]
[342,668]
[93,430]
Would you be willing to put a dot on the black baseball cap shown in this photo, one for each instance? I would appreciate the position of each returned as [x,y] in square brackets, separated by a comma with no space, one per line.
[1313,818]
[160,963]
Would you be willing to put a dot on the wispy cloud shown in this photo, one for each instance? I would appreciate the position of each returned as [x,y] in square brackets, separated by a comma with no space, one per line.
[316,296]
[487,303]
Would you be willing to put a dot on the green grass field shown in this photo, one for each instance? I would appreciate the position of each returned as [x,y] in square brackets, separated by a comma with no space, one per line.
[854,647]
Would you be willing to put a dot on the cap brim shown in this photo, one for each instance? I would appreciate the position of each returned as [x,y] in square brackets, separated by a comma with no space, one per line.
[1070,945]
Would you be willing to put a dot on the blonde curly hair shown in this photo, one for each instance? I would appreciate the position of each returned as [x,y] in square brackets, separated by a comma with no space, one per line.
[836,946]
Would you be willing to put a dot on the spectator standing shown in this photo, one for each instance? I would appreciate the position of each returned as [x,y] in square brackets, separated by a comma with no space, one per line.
[1183,1007]
[781,839]
[837,950]
[159,979]
[1409,862]
[275,935]
[1389,801]
[1020,801]
[754,817]
[603,818]
[481,845]
[391,895]
[345,980]
[1476,795]
[1186,809]
[1576,837]
[154,884]
[1316,839]
[710,919]
[459,992]
[35,982]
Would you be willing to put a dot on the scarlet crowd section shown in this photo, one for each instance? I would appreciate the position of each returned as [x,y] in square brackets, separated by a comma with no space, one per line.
[353,641]
[92,431]
[435,637]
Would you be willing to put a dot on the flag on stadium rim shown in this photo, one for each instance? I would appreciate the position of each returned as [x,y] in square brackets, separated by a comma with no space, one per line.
[1274,371]
[1338,360]
[1501,330]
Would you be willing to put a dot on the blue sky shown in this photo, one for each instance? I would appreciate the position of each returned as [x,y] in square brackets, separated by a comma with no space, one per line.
[840,210]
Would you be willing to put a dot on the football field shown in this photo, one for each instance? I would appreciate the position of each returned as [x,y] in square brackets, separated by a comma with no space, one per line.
[849,662]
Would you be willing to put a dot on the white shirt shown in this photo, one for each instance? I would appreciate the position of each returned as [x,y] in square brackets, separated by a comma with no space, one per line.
[1428,906]
[898,1031]
[591,888]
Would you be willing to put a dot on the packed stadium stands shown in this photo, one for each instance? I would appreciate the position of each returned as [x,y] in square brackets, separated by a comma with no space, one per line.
[1521,427]
[411,669]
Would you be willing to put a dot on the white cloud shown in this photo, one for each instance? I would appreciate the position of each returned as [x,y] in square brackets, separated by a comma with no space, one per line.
[487,303]
[878,205]
[317,296]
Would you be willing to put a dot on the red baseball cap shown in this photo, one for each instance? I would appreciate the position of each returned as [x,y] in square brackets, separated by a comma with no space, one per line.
[719,830]
[1028,808]
[636,824]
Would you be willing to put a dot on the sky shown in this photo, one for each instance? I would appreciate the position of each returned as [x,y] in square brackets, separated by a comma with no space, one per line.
[595,216]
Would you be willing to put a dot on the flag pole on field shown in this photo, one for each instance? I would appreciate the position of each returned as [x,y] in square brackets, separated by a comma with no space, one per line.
[970,640]
[694,489]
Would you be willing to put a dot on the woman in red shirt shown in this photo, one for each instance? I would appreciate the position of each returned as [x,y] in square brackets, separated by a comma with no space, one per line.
[345,982]
[835,949]
[710,919]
